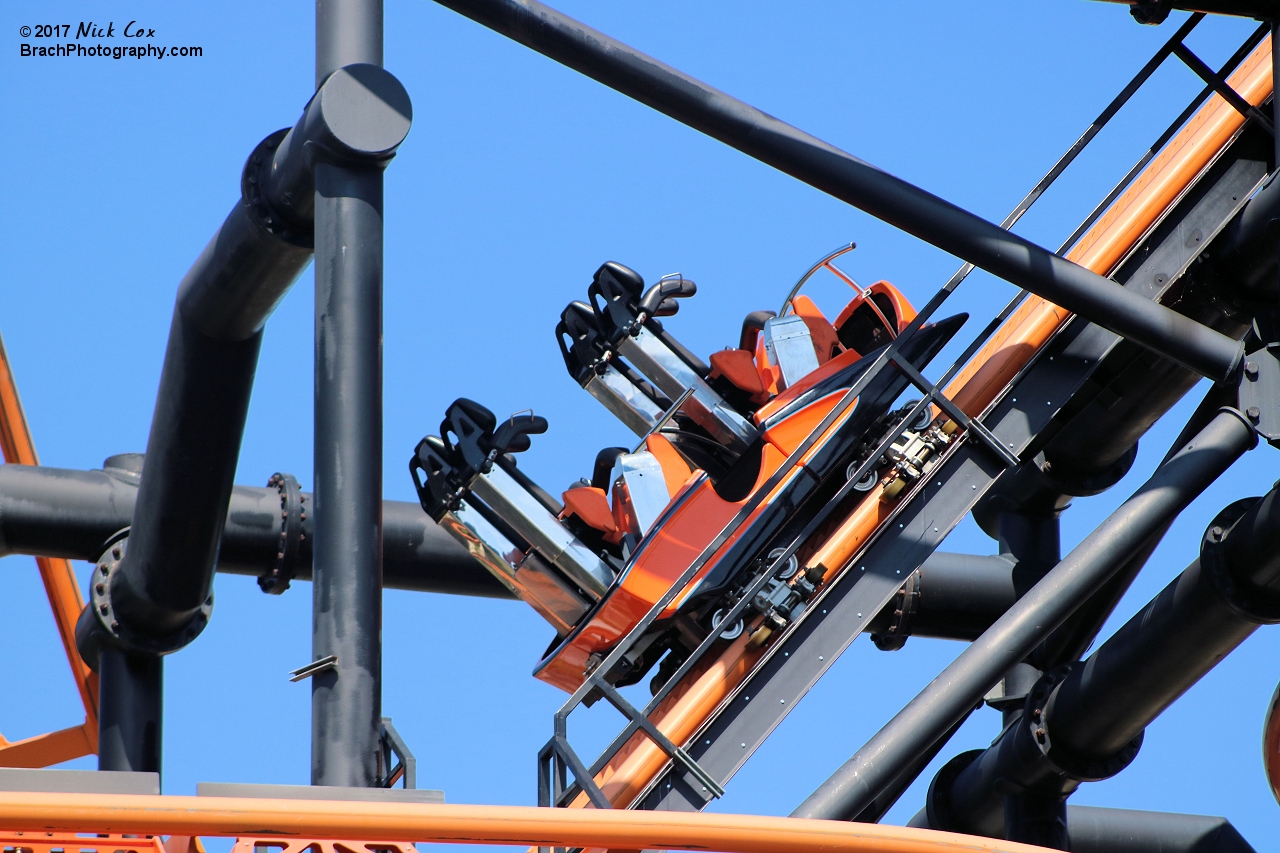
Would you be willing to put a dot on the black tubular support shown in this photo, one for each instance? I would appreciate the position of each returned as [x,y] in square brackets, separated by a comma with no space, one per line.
[130,715]
[952,597]
[346,700]
[860,184]
[56,512]
[157,600]
[1014,635]
[1155,11]
[1099,830]
[207,376]
[1084,721]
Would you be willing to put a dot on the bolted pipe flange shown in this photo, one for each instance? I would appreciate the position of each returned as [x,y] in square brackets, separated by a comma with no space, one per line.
[1063,761]
[268,212]
[1253,603]
[117,631]
[293,513]
[905,603]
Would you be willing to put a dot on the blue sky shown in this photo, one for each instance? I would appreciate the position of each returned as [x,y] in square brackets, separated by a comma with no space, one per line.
[518,179]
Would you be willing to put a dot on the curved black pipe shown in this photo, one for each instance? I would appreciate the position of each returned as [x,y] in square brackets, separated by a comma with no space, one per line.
[158,596]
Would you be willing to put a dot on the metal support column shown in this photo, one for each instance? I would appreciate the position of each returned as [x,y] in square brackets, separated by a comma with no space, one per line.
[130,710]
[1033,539]
[346,701]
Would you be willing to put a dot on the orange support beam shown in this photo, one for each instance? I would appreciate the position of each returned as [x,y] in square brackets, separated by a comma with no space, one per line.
[64,599]
[539,827]
[60,842]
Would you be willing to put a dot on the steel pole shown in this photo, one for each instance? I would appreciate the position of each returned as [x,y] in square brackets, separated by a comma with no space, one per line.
[1047,605]
[346,701]
[843,176]
[347,556]
[130,710]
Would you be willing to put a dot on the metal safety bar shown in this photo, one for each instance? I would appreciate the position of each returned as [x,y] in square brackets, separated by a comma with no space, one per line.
[558,756]
[1254,39]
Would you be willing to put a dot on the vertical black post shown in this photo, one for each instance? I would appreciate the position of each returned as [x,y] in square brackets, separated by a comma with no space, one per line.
[346,701]
[347,32]
[130,707]
[1032,538]
[1275,102]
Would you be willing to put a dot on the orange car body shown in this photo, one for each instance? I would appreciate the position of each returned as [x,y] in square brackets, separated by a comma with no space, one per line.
[697,512]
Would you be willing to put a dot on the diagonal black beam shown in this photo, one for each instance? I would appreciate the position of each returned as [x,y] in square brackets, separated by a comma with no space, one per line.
[958,688]
[1221,86]
[843,176]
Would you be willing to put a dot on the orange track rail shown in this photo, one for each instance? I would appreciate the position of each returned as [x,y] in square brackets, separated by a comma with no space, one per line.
[64,598]
[617,830]
[974,389]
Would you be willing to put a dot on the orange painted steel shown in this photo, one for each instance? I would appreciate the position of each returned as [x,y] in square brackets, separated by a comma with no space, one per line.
[448,824]
[319,845]
[1271,744]
[1169,174]
[59,842]
[63,591]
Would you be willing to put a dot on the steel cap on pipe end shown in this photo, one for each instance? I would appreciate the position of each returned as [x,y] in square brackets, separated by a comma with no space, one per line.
[358,118]
[366,111]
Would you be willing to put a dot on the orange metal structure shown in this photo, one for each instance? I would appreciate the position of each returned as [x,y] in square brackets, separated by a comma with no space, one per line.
[306,820]
[65,600]
[625,778]
[1271,744]
[61,842]
[265,843]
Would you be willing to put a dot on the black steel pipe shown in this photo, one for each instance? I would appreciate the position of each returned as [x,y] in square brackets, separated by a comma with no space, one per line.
[158,597]
[57,512]
[130,715]
[1155,11]
[1100,830]
[346,700]
[966,680]
[860,184]
[347,32]
[954,597]
[347,563]
[159,593]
